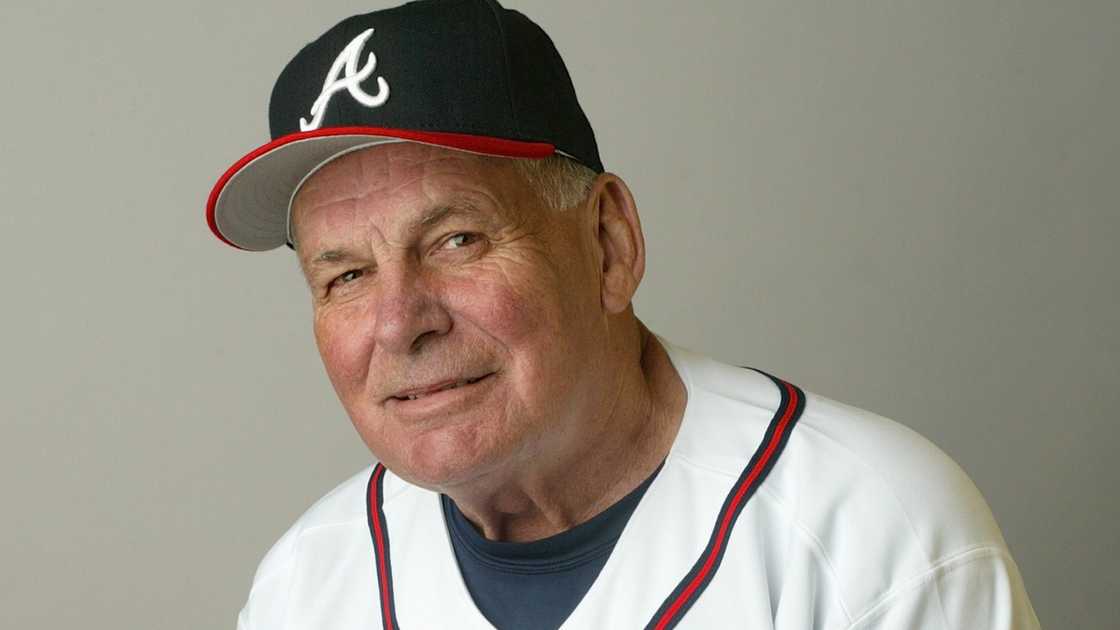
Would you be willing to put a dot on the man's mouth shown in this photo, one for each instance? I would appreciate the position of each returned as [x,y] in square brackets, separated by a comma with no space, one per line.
[420,392]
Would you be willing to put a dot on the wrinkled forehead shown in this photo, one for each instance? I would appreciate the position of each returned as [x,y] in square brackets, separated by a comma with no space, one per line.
[384,169]
[400,181]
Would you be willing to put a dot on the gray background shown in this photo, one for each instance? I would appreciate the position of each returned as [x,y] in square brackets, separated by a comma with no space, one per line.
[908,206]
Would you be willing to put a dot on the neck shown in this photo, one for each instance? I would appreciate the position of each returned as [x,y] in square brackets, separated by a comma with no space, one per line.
[610,455]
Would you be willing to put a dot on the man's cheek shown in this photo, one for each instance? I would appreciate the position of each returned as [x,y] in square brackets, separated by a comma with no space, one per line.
[344,351]
[507,313]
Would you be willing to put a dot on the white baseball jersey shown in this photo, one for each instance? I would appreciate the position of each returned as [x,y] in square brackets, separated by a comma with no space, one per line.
[773,510]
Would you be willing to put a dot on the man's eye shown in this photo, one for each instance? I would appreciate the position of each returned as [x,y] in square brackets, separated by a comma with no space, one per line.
[348,276]
[460,240]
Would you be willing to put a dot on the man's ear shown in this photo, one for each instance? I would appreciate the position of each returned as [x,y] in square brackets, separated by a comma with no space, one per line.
[621,244]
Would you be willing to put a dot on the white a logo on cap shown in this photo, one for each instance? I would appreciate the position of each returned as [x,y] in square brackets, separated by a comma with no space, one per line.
[350,81]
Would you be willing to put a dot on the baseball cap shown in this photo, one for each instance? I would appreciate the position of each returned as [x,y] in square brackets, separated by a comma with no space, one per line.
[468,75]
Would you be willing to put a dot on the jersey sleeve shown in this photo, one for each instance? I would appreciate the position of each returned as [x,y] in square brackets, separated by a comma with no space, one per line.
[909,538]
[265,606]
[316,534]
[979,589]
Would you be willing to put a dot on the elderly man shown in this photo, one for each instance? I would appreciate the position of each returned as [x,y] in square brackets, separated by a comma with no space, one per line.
[543,459]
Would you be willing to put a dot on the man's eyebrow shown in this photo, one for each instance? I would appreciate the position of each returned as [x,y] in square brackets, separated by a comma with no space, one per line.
[460,207]
[331,256]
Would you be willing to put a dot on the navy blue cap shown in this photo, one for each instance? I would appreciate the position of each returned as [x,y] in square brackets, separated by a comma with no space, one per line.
[462,74]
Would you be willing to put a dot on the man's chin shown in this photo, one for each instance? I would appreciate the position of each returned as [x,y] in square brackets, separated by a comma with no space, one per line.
[440,463]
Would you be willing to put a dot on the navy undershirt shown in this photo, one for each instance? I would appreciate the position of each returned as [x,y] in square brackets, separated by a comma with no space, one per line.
[536,584]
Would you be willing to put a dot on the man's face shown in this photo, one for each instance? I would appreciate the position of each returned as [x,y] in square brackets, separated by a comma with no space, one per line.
[459,321]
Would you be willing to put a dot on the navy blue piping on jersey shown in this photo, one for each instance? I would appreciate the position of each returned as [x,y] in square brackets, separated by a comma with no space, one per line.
[379,533]
[692,585]
[777,434]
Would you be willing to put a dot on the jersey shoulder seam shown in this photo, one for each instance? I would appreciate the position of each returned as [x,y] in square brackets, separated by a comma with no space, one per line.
[301,527]
[811,540]
[764,491]
[943,566]
[877,473]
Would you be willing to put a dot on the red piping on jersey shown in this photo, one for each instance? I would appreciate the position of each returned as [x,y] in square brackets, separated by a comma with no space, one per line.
[725,523]
[379,539]
[784,416]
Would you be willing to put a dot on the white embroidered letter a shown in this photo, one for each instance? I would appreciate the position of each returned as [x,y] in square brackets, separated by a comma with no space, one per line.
[351,81]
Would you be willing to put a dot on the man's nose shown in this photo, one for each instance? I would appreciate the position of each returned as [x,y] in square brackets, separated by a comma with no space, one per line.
[408,311]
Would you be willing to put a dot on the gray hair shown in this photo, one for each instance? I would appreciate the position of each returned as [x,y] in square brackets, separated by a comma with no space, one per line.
[560,181]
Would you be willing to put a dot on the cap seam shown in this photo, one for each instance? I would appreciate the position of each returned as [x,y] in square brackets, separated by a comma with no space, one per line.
[494,10]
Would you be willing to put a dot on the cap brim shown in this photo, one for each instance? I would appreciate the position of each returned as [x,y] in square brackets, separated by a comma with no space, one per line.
[248,206]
